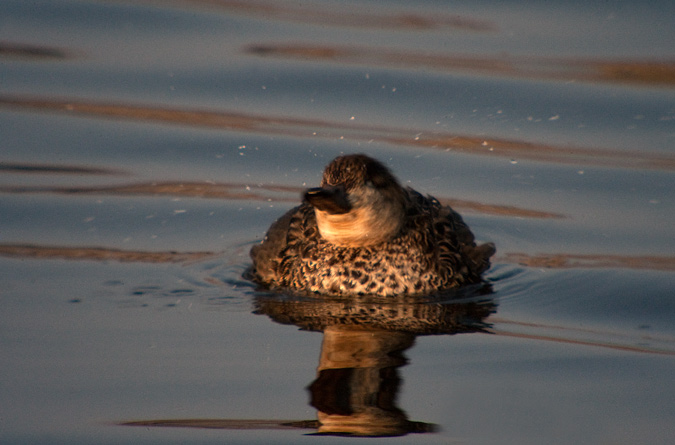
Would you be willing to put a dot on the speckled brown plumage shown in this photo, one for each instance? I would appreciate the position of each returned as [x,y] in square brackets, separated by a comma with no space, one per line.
[432,248]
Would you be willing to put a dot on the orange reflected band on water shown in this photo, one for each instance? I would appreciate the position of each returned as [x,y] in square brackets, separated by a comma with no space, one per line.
[662,345]
[263,192]
[620,347]
[636,72]
[311,128]
[568,261]
[26,51]
[552,261]
[351,17]
[227,424]
[50,169]
[99,254]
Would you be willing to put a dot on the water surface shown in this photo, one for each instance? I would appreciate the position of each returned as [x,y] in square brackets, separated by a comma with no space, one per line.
[147,146]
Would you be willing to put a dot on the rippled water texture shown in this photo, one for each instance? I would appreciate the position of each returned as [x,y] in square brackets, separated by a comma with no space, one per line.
[146,146]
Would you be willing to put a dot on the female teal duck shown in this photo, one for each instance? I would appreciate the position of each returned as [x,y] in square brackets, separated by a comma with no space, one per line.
[361,233]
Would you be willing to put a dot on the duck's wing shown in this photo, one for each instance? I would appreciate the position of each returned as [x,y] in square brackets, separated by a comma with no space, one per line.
[454,240]
[266,255]
[476,257]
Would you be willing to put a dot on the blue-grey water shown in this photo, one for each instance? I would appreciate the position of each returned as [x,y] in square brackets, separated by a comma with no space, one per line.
[146,146]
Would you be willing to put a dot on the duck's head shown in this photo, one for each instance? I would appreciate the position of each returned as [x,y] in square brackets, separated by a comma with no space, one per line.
[360,203]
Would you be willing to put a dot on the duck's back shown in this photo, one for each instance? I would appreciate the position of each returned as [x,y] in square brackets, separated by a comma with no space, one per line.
[458,255]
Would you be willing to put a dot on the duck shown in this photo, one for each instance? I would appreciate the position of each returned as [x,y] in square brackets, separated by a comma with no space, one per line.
[361,233]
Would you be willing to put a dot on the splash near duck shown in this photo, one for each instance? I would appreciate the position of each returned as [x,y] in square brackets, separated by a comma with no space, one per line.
[361,233]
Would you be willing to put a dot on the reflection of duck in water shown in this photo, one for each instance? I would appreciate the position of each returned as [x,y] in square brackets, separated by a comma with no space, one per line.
[357,383]
[362,233]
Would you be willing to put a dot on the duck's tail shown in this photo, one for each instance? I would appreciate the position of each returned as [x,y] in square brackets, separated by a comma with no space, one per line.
[479,257]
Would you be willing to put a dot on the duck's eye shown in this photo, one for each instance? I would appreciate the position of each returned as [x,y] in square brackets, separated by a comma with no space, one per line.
[377,175]
[379,180]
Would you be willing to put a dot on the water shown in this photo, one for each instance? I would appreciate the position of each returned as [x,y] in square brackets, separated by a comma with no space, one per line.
[147,146]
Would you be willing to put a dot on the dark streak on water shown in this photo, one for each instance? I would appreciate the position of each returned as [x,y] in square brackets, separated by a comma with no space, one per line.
[145,147]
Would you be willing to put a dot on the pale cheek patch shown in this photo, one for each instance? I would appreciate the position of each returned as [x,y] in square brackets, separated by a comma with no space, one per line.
[360,227]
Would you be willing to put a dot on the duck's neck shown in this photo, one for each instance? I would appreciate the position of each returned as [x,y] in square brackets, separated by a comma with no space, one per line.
[361,227]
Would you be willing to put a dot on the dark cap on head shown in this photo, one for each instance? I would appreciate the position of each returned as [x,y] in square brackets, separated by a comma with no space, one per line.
[355,170]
